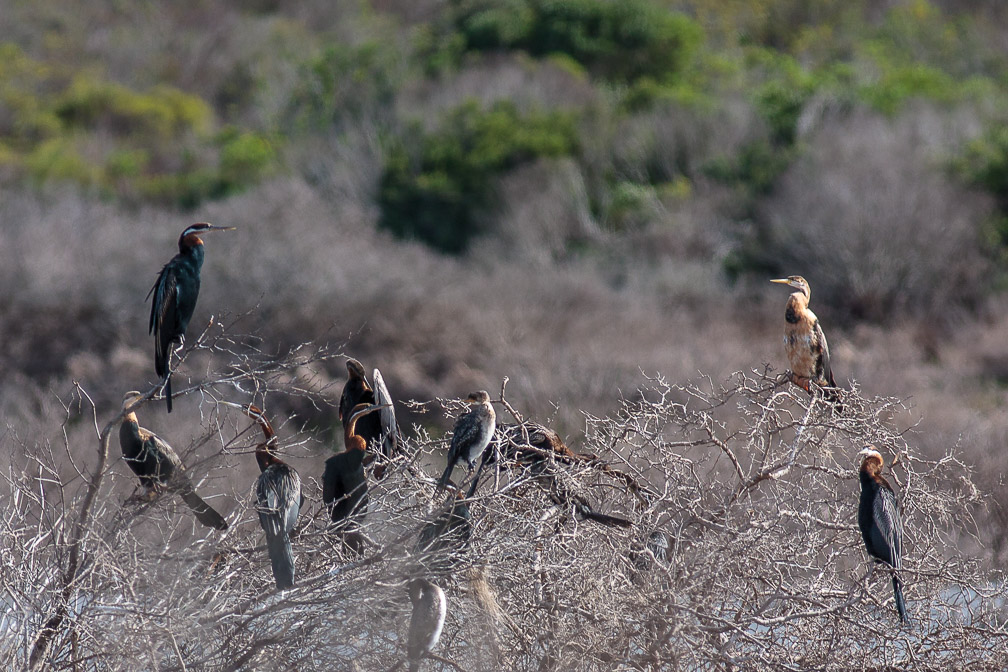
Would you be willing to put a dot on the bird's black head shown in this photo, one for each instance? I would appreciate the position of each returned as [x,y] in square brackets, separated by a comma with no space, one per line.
[191,236]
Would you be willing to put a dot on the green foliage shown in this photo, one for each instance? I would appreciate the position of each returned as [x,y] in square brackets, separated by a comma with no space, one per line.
[245,157]
[58,159]
[69,124]
[984,164]
[343,83]
[617,41]
[164,112]
[435,188]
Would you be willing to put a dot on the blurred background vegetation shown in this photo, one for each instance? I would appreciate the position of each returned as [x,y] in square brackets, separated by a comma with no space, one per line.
[565,192]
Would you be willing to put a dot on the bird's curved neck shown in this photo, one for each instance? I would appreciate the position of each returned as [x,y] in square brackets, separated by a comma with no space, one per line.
[871,468]
[265,457]
[131,427]
[351,439]
[190,243]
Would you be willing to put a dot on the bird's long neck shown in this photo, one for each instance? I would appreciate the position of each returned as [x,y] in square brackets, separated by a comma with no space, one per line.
[129,430]
[265,457]
[489,409]
[352,440]
[797,304]
[871,470]
[191,247]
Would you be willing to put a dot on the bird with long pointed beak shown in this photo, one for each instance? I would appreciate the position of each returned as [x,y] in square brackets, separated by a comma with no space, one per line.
[804,341]
[158,465]
[880,519]
[175,292]
[278,500]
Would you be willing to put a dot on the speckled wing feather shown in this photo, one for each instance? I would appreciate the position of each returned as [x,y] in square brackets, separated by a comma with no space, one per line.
[886,512]
[820,336]
[278,496]
[165,291]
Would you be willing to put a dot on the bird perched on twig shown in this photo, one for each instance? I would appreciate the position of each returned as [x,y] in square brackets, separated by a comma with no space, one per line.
[175,292]
[278,500]
[344,483]
[880,520]
[471,436]
[158,465]
[804,340]
[379,431]
[426,621]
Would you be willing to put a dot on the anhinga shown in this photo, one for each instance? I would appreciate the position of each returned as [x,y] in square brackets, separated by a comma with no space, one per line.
[804,340]
[175,292]
[344,483]
[426,621]
[881,521]
[278,499]
[158,466]
[471,436]
[379,431]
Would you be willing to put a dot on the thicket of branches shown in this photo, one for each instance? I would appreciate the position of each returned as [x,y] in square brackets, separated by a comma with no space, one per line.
[752,482]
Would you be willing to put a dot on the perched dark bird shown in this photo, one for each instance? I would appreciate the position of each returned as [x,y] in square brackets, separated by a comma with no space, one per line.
[804,340]
[344,483]
[426,621]
[442,539]
[278,499]
[158,466]
[880,519]
[175,292]
[471,436]
[379,431]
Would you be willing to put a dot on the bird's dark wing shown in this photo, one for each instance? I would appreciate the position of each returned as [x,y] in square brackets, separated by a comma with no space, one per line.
[168,461]
[820,337]
[889,524]
[332,483]
[389,428]
[278,496]
[467,431]
[163,308]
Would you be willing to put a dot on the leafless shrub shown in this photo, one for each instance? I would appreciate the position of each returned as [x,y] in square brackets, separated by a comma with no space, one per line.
[753,483]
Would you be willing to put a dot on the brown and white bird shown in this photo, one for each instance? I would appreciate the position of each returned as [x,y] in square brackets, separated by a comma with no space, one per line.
[804,341]
[880,520]
[471,436]
[426,621]
[158,465]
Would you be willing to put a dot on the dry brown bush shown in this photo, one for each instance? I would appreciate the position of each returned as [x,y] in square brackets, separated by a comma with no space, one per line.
[870,216]
[754,484]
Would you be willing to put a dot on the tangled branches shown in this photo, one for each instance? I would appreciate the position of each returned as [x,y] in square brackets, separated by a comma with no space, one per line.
[700,526]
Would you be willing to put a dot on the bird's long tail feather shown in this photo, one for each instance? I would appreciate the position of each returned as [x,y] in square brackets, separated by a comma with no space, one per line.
[205,513]
[167,392]
[281,557]
[900,602]
[445,477]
